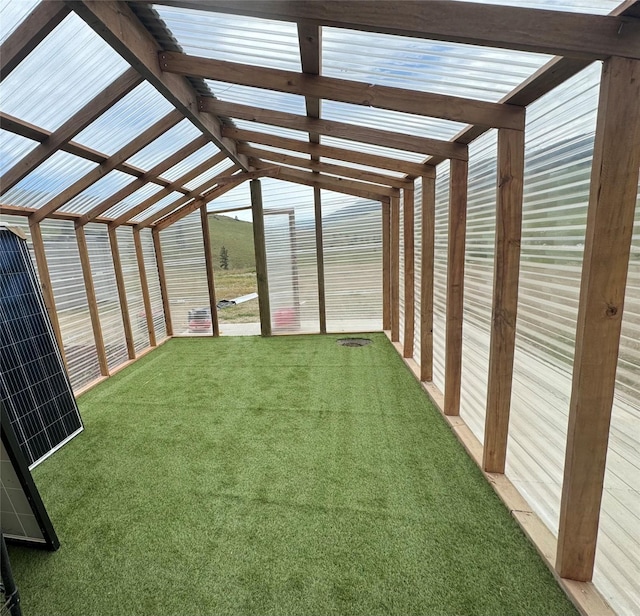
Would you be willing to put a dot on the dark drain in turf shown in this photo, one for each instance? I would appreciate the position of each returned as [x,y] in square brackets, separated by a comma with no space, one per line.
[353,342]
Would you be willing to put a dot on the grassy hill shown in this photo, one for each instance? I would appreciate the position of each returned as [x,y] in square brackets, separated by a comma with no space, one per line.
[237,237]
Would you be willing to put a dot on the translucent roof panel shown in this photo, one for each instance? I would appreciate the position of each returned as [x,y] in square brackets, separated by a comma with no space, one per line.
[247,95]
[383,119]
[595,7]
[97,193]
[240,196]
[209,174]
[391,174]
[430,66]
[46,181]
[12,14]
[12,149]
[125,120]
[156,207]
[164,146]
[190,162]
[134,199]
[356,146]
[69,68]
[262,42]
[272,130]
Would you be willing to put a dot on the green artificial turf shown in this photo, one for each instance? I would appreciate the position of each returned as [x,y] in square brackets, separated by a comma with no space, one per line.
[284,476]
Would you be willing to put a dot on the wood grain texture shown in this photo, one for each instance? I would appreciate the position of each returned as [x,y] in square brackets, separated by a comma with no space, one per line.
[208,257]
[261,257]
[408,235]
[427,280]
[164,289]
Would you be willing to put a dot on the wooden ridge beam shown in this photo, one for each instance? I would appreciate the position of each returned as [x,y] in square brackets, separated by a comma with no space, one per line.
[342,130]
[493,115]
[114,92]
[44,18]
[325,151]
[115,22]
[142,140]
[319,167]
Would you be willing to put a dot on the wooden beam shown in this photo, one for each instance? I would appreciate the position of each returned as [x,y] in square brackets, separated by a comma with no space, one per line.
[505,298]
[310,45]
[110,164]
[122,293]
[19,210]
[138,183]
[144,284]
[164,289]
[395,268]
[47,287]
[409,270]
[342,130]
[91,301]
[359,158]
[428,238]
[267,171]
[93,109]
[44,18]
[117,25]
[455,286]
[322,306]
[612,201]
[261,257]
[386,267]
[208,258]
[357,93]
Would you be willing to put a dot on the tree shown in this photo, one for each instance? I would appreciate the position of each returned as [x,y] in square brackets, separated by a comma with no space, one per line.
[224,258]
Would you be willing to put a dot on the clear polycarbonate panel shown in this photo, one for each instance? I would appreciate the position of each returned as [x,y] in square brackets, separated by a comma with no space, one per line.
[158,206]
[595,7]
[559,146]
[97,193]
[186,275]
[406,123]
[69,68]
[261,42]
[133,287]
[257,97]
[292,266]
[417,242]
[429,66]
[190,162]
[65,271]
[21,223]
[210,173]
[12,149]
[350,165]
[153,284]
[441,245]
[272,130]
[134,199]
[352,240]
[401,270]
[164,146]
[12,14]
[49,179]
[106,290]
[478,280]
[356,146]
[128,118]
[237,197]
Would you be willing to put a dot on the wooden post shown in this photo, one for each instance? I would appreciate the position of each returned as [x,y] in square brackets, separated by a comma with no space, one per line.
[91,301]
[612,201]
[322,306]
[409,271]
[45,283]
[395,268]
[386,266]
[208,257]
[426,282]
[506,272]
[144,284]
[164,291]
[455,286]
[122,293]
[261,257]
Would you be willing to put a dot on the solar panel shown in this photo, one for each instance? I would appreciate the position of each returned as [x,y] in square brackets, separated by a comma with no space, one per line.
[34,387]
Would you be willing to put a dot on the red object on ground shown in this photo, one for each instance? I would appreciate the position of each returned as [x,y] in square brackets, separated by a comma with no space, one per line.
[284,317]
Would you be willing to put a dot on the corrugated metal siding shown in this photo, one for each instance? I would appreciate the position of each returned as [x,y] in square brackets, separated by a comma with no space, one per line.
[153,282]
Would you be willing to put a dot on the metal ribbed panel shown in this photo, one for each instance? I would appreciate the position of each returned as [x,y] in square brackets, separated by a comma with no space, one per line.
[352,237]
[12,149]
[190,162]
[261,42]
[70,67]
[133,287]
[132,200]
[54,175]
[97,193]
[153,282]
[186,273]
[71,301]
[12,13]
[128,118]
[104,283]
[257,97]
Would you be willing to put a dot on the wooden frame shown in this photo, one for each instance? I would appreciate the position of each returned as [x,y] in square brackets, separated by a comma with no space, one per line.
[208,257]
[395,267]
[122,292]
[164,289]
[317,212]
[427,237]
[408,235]
[144,283]
[260,248]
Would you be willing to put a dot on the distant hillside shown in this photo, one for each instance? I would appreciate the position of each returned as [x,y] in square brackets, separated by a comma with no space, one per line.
[237,237]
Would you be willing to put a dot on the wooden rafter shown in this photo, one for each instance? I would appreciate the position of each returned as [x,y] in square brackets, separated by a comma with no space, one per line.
[358,93]
[117,25]
[523,29]
[310,45]
[342,130]
[18,210]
